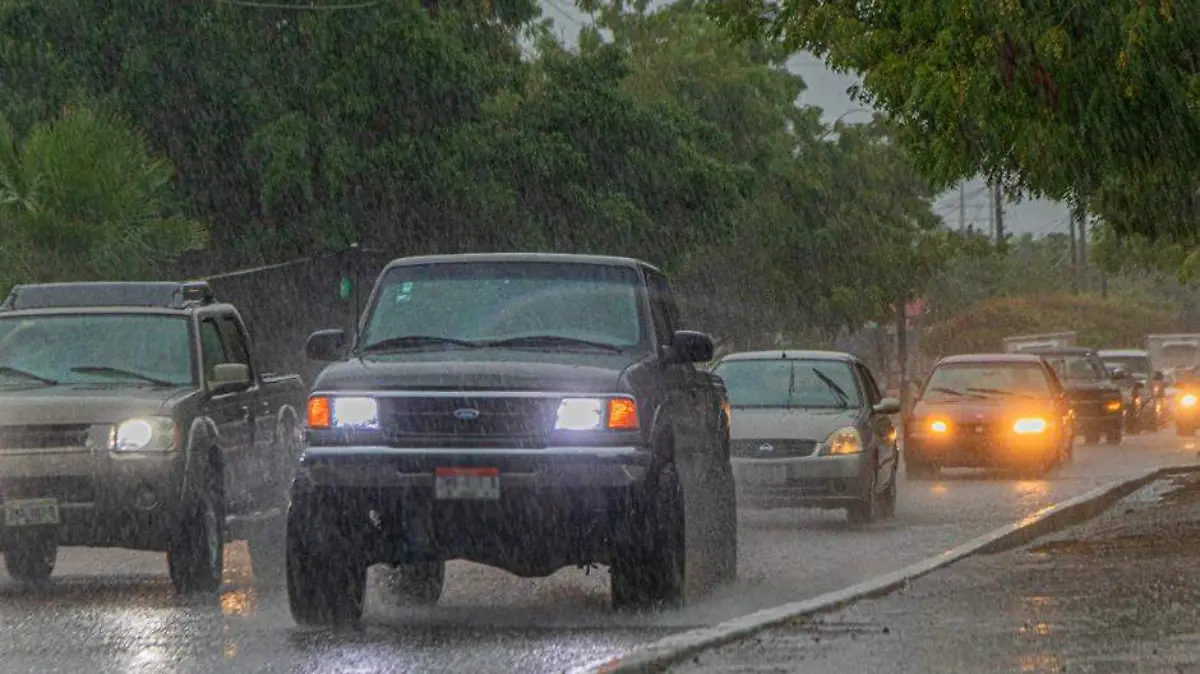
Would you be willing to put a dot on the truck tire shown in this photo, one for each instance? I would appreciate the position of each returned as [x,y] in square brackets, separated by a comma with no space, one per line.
[30,556]
[916,469]
[1091,438]
[727,535]
[417,584]
[1184,431]
[650,571]
[1113,436]
[196,553]
[326,571]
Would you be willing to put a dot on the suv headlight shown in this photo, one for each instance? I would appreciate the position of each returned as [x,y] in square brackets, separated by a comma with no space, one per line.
[591,414]
[844,441]
[144,434]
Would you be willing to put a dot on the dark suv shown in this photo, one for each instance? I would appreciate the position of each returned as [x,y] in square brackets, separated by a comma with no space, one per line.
[523,411]
[1096,399]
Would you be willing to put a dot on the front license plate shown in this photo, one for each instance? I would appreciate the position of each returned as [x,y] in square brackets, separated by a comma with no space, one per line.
[38,512]
[466,483]
[766,475]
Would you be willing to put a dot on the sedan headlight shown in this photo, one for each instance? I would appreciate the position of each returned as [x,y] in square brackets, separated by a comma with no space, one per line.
[1031,426]
[146,434]
[1187,400]
[591,414]
[350,412]
[844,441]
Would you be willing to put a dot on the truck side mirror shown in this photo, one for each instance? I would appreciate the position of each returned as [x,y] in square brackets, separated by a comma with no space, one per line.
[229,378]
[1159,376]
[1120,373]
[326,345]
[887,406]
[688,346]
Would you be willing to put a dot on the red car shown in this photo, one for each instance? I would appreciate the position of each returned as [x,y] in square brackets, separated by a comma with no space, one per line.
[989,411]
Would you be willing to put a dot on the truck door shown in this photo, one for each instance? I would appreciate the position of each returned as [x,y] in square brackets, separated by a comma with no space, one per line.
[226,411]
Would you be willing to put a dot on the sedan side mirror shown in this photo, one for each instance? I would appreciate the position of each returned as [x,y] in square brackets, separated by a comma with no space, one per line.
[887,406]
[688,346]
[229,378]
[326,345]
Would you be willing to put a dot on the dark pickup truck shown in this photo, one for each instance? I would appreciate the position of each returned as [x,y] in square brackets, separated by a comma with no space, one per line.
[1095,397]
[524,411]
[132,415]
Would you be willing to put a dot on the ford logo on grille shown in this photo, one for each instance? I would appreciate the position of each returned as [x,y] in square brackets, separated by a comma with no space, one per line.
[766,447]
[466,414]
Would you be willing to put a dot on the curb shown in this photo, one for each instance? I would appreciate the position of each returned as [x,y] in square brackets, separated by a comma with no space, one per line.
[657,656]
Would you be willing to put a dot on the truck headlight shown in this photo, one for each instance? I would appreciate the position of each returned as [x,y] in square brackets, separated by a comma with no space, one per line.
[146,434]
[1187,400]
[1113,406]
[343,412]
[1030,426]
[590,414]
[844,441]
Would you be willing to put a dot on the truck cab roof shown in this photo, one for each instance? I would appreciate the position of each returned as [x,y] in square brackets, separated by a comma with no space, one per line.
[156,296]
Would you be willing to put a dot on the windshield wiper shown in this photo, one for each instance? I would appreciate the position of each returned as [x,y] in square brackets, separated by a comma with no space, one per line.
[552,340]
[998,392]
[415,341]
[8,369]
[843,399]
[121,372]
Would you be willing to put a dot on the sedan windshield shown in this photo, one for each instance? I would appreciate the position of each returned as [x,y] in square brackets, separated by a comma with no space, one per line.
[509,304]
[95,348]
[790,383]
[963,381]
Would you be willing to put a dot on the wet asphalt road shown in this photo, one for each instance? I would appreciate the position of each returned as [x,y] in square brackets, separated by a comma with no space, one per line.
[114,611]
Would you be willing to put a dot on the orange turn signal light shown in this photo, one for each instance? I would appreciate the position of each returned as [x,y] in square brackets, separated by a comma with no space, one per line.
[622,414]
[319,412]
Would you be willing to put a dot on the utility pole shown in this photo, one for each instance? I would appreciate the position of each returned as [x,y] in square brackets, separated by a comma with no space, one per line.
[1080,218]
[902,349]
[962,207]
[1074,249]
[998,202]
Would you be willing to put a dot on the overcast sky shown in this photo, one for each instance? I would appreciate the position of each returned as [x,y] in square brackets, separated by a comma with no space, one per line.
[828,91]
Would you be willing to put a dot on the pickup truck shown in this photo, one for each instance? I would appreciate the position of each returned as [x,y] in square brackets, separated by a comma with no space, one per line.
[524,411]
[132,415]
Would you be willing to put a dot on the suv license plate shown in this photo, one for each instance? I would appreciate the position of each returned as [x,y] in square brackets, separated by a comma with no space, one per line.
[38,512]
[466,483]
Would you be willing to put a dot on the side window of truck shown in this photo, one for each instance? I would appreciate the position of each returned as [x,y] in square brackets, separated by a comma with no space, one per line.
[665,315]
[210,345]
[236,345]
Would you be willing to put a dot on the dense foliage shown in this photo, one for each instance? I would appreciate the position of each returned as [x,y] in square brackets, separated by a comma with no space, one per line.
[1091,99]
[420,128]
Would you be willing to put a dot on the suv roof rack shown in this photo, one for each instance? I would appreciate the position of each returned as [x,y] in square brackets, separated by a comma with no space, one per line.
[165,294]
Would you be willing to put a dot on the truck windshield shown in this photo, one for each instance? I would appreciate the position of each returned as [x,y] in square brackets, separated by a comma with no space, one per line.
[96,348]
[789,383]
[1076,368]
[514,304]
[1131,364]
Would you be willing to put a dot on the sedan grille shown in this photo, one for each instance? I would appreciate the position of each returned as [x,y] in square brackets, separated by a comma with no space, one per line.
[772,448]
[522,420]
[43,437]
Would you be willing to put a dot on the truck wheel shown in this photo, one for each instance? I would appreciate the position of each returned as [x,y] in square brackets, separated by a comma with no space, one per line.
[326,573]
[727,536]
[650,571]
[1184,431]
[196,554]
[419,584]
[1091,438]
[30,556]
[1113,437]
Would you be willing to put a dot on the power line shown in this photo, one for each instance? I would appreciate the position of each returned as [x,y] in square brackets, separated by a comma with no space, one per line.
[298,7]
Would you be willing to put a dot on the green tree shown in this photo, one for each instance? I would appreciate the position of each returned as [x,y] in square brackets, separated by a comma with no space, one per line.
[81,197]
[1058,99]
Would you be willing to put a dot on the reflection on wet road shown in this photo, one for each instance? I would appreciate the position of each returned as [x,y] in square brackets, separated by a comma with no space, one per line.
[114,611]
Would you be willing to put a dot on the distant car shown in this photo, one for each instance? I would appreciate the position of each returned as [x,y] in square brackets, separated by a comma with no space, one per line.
[811,429]
[1096,399]
[1187,402]
[989,411]
[1144,385]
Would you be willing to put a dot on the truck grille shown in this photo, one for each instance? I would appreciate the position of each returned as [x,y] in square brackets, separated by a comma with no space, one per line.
[523,420]
[43,436]
[67,489]
[779,449]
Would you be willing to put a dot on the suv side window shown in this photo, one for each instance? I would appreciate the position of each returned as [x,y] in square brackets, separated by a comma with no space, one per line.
[234,338]
[666,316]
[211,346]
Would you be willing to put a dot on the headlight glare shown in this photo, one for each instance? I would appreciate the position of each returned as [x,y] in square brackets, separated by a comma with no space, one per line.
[938,426]
[1029,426]
[149,434]
[844,441]
[1187,400]
[580,414]
[360,413]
